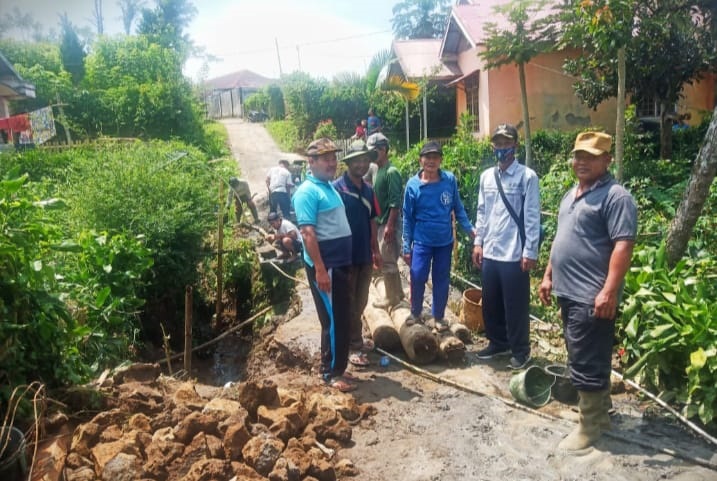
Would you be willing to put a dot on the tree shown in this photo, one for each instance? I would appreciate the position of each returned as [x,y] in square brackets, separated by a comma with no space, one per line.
[166,24]
[72,51]
[16,20]
[696,193]
[667,44]
[99,17]
[527,38]
[131,10]
[420,18]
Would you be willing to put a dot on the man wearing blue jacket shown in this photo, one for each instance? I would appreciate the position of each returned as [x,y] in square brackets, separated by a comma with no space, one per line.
[430,199]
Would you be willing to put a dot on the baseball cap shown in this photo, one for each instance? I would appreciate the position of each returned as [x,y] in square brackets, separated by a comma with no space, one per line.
[505,130]
[358,149]
[377,140]
[321,146]
[595,143]
[432,147]
[273,216]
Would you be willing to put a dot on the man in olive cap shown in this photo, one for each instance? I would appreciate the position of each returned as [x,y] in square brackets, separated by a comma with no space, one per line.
[321,217]
[388,187]
[361,210]
[597,226]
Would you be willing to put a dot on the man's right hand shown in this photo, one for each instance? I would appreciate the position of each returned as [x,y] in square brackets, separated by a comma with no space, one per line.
[544,291]
[323,280]
[478,256]
[389,234]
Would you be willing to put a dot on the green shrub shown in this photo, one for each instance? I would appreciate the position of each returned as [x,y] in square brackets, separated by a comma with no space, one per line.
[668,329]
[326,128]
[286,135]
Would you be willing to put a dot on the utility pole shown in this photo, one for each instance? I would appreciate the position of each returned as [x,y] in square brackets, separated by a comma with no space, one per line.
[276,41]
[298,56]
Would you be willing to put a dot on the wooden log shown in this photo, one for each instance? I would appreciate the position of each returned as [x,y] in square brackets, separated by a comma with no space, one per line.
[450,348]
[419,343]
[457,328]
[380,324]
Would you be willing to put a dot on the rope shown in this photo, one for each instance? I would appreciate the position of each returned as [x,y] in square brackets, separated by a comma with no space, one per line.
[295,279]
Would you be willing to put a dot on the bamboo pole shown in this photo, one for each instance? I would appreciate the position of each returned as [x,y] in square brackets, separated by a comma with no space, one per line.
[220,250]
[188,329]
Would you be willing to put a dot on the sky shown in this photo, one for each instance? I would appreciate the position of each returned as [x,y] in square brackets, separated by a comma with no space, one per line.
[320,37]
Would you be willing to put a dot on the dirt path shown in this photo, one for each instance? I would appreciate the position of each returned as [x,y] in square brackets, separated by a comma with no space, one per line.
[428,431]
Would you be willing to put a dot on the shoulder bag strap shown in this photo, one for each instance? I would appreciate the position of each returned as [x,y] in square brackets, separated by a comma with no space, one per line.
[521,227]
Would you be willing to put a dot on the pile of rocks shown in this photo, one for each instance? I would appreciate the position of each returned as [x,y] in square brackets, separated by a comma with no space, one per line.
[162,429]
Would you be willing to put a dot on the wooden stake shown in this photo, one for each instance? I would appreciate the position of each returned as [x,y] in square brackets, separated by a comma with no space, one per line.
[188,329]
[220,250]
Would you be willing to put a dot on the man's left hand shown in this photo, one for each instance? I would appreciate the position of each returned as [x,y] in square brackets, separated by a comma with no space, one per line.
[527,264]
[606,305]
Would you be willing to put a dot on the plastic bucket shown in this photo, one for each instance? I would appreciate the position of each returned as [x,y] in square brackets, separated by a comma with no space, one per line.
[13,463]
[563,390]
[532,386]
[472,312]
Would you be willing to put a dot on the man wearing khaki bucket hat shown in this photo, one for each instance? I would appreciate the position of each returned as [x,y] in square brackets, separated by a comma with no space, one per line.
[597,226]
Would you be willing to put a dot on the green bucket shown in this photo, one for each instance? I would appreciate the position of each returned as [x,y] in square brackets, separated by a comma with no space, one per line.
[532,386]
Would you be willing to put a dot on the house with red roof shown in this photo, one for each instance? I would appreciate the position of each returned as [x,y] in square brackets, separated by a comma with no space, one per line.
[493,96]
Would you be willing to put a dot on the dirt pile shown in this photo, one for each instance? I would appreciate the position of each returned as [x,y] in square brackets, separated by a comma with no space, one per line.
[159,428]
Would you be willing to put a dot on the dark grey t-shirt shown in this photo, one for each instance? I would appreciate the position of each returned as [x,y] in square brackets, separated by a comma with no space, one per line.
[588,227]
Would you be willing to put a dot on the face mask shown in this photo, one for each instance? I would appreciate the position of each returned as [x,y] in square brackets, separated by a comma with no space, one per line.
[503,155]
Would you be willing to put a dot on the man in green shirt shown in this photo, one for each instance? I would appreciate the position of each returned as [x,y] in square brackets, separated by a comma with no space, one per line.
[388,188]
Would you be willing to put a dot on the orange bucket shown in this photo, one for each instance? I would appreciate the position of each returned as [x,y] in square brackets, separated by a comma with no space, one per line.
[472,312]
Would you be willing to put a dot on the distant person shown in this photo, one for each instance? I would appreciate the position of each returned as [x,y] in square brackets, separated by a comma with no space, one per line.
[361,211]
[360,132]
[597,226]
[240,192]
[373,123]
[388,188]
[279,184]
[321,217]
[430,203]
[286,237]
[506,248]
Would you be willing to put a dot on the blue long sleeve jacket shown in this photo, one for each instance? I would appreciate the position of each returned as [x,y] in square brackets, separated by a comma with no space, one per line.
[427,208]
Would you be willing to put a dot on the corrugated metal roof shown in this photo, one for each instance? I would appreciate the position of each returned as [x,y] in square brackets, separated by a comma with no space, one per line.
[242,78]
[419,58]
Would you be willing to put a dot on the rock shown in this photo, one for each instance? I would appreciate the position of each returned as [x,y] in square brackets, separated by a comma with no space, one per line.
[298,458]
[163,434]
[113,416]
[346,467]
[193,424]
[74,461]
[285,470]
[215,447]
[222,408]
[328,424]
[110,433]
[80,474]
[241,418]
[160,454]
[322,470]
[84,438]
[261,453]
[209,470]
[242,472]
[283,422]
[122,467]
[344,404]
[103,453]
[235,438]
[186,396]
[140,422]
[136,397]
[139,372]
[253,394]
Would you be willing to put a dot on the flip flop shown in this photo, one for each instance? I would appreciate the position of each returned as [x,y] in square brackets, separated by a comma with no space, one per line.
[341,384]
[350,377]
[359,359]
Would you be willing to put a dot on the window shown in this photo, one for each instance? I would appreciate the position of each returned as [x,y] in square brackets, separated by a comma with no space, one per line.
[472,104]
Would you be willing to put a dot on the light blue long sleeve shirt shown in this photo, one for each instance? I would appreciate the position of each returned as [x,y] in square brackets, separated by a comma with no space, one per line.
[496,230]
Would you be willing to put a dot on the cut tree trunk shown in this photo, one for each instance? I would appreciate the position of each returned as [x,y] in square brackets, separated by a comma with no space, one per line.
[380,324]
[695,196]
[419,343]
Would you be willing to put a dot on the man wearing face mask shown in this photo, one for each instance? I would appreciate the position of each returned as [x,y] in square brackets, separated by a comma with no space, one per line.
[506,249]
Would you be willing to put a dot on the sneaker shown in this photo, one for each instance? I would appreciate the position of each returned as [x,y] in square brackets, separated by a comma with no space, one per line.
[492,351]
[439,325]
[413,319]
[518,362]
